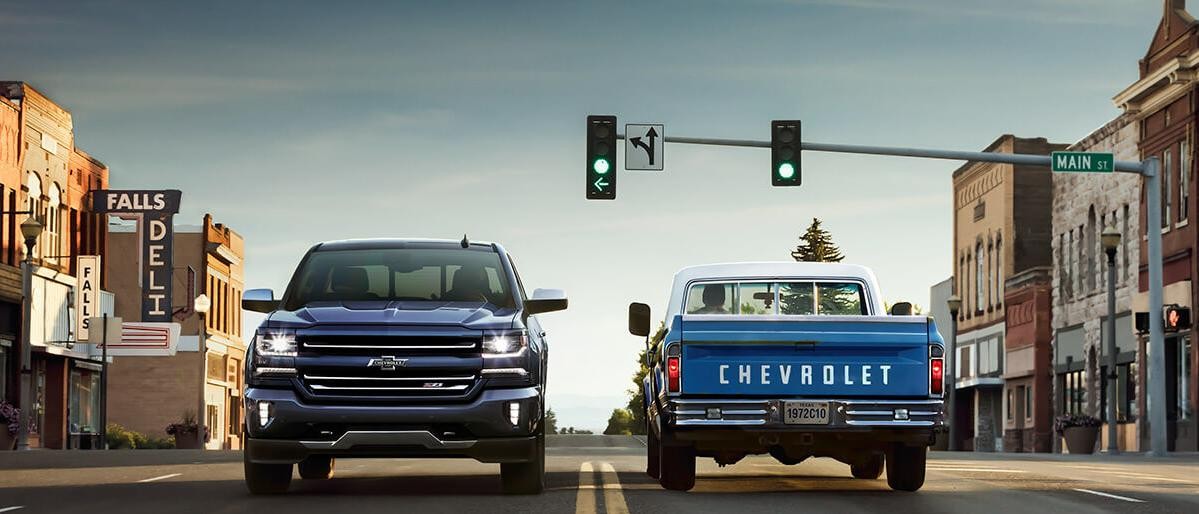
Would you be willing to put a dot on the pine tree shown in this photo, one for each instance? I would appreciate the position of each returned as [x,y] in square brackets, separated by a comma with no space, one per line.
[816,245]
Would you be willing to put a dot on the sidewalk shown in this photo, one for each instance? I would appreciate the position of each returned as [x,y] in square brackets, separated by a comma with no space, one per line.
[1172,457]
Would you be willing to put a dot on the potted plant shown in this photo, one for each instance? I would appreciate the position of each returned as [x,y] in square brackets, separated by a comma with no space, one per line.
[1080,431]
[10,423]
[187,433]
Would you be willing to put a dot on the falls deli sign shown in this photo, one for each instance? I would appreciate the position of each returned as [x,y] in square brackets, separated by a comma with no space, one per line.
[155,210]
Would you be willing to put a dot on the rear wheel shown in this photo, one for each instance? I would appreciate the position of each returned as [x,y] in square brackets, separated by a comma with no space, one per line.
[316,467]
[870,469]
[676,467]
[905,467]
[653,464]
[266,478]
[526,477]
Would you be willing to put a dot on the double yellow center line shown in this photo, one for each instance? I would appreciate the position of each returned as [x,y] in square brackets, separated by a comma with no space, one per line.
[585,502]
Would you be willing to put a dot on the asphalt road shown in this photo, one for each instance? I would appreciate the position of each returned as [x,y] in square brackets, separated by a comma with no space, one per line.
[593,475]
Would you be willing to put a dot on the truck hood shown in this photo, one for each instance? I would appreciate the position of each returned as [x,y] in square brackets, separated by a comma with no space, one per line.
[464,314]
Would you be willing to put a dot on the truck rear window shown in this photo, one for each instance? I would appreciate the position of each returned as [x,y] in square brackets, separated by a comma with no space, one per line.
[794,298]
[402,274]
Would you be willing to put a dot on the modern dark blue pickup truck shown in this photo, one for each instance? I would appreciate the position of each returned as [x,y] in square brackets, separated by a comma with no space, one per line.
[398,348]
[794,360]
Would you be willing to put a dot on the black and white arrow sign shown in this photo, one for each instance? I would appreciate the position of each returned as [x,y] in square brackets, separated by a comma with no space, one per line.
[643,147]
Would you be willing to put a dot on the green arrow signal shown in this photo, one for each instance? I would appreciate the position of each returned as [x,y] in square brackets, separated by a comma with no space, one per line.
[600,184]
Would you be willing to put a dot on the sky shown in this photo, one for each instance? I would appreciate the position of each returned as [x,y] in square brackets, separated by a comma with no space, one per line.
[298,122]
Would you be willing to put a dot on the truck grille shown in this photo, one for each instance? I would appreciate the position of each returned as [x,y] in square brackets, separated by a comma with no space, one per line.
[419,384]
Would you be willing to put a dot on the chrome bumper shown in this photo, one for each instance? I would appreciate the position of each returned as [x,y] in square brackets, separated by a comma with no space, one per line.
[701,412]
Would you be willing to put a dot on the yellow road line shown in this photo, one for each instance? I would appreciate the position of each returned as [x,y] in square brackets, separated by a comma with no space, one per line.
[585,500]
[613,497]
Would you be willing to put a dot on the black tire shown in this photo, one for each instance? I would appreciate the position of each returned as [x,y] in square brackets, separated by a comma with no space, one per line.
[905,467]
[267,478]
[868,470]
[526,477]
[316,467]
[653,463]
[676,467]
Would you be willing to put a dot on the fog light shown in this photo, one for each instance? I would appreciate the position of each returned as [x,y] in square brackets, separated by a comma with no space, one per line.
[514,413]
[714,413]
[901,414]
[264,413]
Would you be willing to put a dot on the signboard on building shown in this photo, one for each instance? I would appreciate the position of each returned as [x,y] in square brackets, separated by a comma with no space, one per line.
[156,210]
[138,339]
[87,294]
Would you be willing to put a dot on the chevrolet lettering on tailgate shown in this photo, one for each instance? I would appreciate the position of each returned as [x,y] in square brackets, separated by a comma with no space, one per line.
[794,360]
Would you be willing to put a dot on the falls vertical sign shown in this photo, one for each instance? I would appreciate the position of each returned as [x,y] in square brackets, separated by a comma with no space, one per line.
[87,294]
[156,210]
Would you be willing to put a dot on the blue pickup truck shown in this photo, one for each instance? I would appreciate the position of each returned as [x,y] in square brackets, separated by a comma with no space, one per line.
[794,360]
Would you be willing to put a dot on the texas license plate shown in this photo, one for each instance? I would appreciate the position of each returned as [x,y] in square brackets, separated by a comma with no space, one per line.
[805,413]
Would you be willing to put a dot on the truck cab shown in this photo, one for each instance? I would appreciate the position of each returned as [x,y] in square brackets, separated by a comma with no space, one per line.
[794,360]
[398,348]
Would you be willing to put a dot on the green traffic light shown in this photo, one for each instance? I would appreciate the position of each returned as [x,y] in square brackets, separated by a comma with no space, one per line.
[786,170]
[600,166]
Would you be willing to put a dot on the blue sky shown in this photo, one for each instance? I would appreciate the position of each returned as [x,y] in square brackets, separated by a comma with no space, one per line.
[296,122]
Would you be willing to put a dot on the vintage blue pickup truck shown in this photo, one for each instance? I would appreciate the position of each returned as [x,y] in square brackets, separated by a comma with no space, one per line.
[794,360]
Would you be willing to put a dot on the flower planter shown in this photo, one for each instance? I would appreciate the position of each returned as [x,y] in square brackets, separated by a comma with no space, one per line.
[188,441]
[1081,439]
[7,442]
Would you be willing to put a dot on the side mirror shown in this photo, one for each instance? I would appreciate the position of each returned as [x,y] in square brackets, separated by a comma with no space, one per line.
[639,319]
[546,300]
[901,309]
[259,300]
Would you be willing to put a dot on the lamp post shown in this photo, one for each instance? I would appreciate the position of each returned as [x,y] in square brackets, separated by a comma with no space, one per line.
[1110,240]
[955,304]
[30,230]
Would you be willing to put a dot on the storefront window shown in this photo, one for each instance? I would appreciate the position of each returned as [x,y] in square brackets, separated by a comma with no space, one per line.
[1126,387]
[1184,378]
[1075,388]
[5,350]
[85,401]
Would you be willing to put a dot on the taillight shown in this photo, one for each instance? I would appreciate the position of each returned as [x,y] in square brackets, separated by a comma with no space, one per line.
[936,374]
[672,374]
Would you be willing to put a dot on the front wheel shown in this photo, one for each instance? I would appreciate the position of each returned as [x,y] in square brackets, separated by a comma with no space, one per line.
[526,477]
[316,467]
[267,478]
[905,467]
[677,467]
[870,469]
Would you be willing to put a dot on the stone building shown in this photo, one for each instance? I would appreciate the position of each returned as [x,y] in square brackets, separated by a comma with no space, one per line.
[1163,104]
[1085,204]
[1000,229]
[204,378]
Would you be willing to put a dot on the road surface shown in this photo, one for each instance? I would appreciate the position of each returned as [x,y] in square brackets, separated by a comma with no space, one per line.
[595,475]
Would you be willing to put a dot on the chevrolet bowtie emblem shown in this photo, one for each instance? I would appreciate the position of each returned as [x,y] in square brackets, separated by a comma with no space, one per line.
[387,363]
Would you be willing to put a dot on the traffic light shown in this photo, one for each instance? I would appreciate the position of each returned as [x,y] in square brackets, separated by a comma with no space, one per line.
[1176,318]
[784,153]
[601,157]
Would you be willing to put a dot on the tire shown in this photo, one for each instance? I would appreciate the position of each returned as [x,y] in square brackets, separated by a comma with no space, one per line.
[526,477]
[905,467]
[868,470]
[316,467]
[676,467]
[267,478]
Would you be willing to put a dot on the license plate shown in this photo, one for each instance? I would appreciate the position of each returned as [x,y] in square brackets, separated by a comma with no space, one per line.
[805,413]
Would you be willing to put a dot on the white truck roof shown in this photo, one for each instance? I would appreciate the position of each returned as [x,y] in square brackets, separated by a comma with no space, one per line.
[772,270]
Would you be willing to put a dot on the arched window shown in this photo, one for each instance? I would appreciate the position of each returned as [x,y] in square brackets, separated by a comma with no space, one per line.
[1091,242]
[999,287]
[979,276]
[34,204]
[991,296]
[53,221]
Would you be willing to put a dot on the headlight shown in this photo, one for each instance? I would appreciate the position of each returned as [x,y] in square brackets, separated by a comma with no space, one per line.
[505,344]
[276,343]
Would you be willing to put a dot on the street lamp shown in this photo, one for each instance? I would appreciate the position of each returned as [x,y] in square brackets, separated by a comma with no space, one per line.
[954,302]
[1110,240]
[30,229]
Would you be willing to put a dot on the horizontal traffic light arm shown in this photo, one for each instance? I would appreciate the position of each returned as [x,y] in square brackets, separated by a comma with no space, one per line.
[1005,158]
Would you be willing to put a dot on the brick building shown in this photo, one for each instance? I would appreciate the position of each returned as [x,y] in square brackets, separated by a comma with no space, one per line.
[1163,104]
[1000,230]
[41,170]
[1083,206]
[203,378]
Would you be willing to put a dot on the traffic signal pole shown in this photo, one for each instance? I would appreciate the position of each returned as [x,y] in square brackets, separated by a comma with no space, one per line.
[1149,169]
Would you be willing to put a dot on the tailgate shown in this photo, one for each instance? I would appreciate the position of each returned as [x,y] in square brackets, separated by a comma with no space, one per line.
[808,356]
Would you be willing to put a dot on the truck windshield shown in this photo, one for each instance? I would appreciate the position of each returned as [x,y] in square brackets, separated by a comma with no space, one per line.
[401,274]
[798,298]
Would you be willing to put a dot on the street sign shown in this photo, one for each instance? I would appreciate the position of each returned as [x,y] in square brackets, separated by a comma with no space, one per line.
[87,294]
[144,339]
[643,148]
[1083,162]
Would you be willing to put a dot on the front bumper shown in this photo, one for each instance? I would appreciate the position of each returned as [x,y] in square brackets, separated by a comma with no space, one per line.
[767,414]
[481,429]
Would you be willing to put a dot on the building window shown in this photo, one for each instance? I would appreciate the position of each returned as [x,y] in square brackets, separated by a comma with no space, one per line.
[964,369]
[1091,241]
[1183,380]
[84,402]
[1080,261]
[1011,404]
[53,223]
[979,274]
[988,356]
[990,275]
[1027,402]
[34,204]
[999,287]
[1125,236]
[216,367]
[1126,388]
[1167,187]
[1075,392]
[1184,181]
